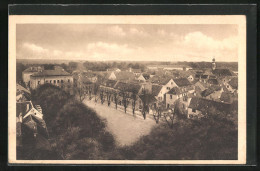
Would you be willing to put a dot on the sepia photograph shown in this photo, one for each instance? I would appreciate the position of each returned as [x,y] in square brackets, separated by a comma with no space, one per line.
[127,89]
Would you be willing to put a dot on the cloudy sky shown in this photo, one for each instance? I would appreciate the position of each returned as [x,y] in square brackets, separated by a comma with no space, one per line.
[150,42]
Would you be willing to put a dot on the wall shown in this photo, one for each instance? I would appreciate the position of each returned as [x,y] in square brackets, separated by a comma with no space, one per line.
[43,80]
[26,77]
[169,100]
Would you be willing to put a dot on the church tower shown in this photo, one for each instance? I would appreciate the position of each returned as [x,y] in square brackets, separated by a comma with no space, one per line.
[213,64]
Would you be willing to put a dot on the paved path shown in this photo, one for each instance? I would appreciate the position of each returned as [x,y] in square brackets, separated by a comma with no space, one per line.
[125,127]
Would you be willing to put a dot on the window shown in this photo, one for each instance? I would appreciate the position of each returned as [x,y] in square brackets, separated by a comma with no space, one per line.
[168,88]
[58,81]
[50,81]
[168,106]
[170,96]
[38,82]
[54,81]
[194,110]
[61,81]
[68,80]
[46,81]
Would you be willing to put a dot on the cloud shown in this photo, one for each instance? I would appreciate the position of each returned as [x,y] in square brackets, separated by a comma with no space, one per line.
[137,32]
[109,47]
[199,40]
[34,48]
[116,30]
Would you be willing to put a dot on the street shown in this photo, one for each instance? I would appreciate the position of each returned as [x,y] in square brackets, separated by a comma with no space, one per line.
[125,127]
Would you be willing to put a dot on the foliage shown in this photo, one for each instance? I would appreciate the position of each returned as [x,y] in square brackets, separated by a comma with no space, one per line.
[76,131]
[19,69]
[205,139]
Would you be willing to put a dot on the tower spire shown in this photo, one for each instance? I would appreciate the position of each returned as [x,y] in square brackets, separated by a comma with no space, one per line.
[213,65]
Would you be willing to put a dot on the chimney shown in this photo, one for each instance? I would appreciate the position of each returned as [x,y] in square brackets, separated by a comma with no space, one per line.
[27,107]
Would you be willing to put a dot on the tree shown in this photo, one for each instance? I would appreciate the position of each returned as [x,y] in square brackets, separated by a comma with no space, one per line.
[134,99]
[108,94]
[95,90]
[124,95]
[80,89]
[146,99]
[115,98]
[157,112]
[102,96]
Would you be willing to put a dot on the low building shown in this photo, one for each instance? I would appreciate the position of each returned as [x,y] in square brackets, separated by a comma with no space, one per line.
[28,72]
[199,107]
[59,78]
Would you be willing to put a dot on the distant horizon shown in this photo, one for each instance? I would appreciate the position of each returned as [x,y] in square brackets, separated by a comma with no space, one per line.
[118,60]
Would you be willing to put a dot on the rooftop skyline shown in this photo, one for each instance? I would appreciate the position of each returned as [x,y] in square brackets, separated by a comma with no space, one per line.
[122,42]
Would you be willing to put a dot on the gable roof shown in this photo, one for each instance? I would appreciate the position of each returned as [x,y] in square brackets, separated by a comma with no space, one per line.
[234,83]
[181,82]
[32,69]
[156,89]
[21,88]
[175,91]
[124,75]
[204,104]
[223,72]
[46,73]
[162,80]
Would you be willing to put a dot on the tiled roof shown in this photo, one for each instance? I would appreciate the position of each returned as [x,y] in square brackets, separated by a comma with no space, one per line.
[32,69]
[223,72]
[124,75]
[51,73]
[201,103]
[21,88]
[181,82]
[156,89]
[234,83]
[162,80]
[207,92]
[175,91]
[213,81]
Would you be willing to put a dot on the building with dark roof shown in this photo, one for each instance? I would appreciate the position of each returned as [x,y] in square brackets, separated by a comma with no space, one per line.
[182,82]
[223,72]
[200,106]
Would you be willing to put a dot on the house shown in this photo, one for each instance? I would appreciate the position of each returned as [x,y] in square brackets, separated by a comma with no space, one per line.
[24,109]
[140,78]
[59,78]
[213,93]
[28,72]
[223,72]
[22,94]
[200,86]
[135,71]
[114,69]
[199,107]
[32,133]
[121,76]
[174,94]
